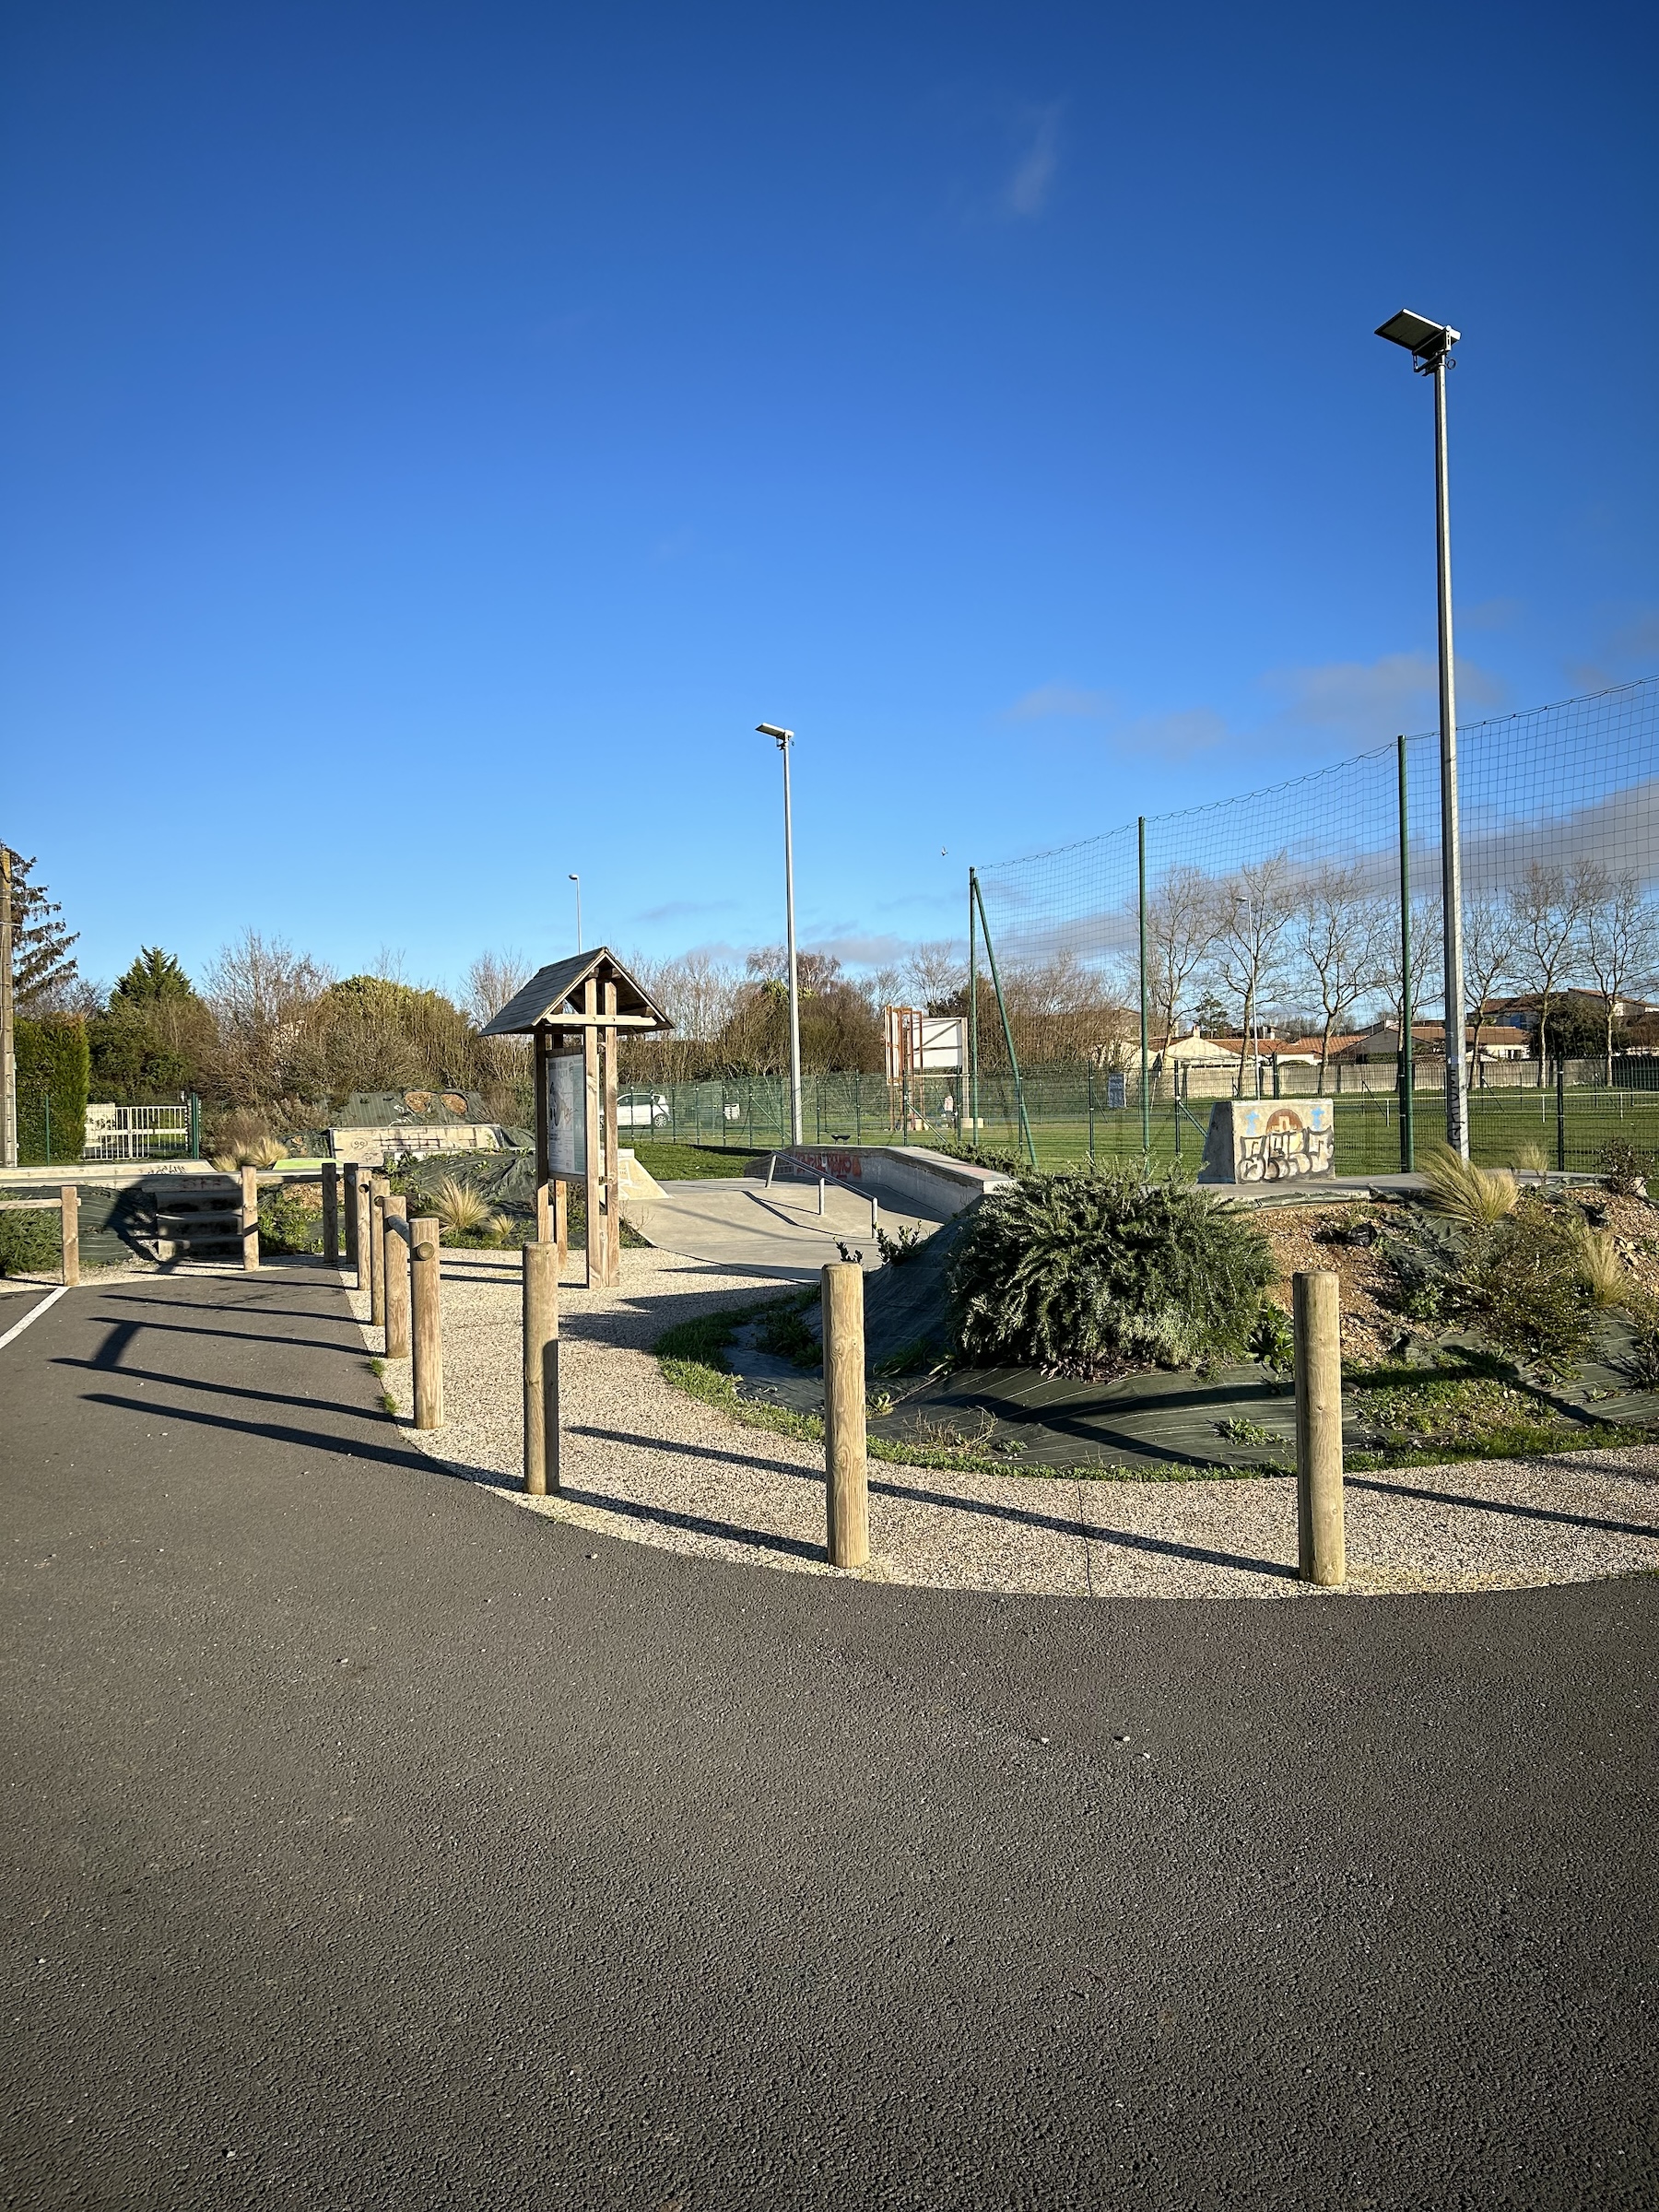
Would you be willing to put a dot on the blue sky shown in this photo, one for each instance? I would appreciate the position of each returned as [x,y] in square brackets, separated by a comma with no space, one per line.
[431,437]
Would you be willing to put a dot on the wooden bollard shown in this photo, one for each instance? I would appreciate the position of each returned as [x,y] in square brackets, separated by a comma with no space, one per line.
[396,1271]
[69,1201]
[363,1213]
[426,1333]
[352,1214]
[250,1218]
[846,1480]
[1321,1545]
[541,1368]
[331,1214]
[379,1190]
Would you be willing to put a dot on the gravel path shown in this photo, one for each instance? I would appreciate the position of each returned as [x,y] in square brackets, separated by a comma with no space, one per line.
[645,1462]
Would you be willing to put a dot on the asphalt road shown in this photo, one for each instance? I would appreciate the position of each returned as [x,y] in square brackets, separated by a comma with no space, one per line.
[370,1842]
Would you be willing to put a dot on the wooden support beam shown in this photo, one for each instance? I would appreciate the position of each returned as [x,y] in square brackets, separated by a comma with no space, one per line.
[250,1218]
[69,1204]
[396,1267]
[595,1166]
[613,1165]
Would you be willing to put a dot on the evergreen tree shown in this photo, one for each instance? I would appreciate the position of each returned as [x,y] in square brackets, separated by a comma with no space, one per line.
[43,964]
[153,976]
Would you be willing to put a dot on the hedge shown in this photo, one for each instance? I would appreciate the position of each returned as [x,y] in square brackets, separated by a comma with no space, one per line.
[52,1065]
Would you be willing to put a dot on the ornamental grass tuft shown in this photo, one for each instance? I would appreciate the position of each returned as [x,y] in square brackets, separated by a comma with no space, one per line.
[1472,1198]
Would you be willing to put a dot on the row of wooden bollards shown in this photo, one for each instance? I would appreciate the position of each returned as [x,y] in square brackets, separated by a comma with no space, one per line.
[402,1279]
[1317,1321]
[398,1262]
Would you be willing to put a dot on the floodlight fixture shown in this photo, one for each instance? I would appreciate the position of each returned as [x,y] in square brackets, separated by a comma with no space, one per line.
[1427,343]
[771,729]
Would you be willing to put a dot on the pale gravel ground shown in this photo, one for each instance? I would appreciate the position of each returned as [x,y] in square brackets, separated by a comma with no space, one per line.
[643,1462]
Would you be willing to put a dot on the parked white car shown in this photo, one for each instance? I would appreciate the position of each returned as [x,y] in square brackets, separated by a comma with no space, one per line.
[640,1110]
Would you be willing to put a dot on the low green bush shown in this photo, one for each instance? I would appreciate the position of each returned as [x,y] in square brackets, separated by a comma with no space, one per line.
[1094,1272]
[30,1243]
[286,1223]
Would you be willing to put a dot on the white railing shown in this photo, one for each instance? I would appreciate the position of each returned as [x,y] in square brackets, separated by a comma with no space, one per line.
[136,1133]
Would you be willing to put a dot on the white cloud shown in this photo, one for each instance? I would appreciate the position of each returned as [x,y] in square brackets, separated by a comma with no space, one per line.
[1027,188]
[1366,702]
[1060,699]
[1175,737]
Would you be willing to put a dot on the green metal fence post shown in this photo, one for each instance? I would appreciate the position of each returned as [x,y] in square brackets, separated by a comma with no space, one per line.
[1025,1126]
[1408,1075]
[973,1083]
[195,1126]
[1091,1080]
[1146,1103]
[1561,1113]
[46,1102]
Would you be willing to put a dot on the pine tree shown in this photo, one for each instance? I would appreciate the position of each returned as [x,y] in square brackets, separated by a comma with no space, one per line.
[43,964]
[154,975]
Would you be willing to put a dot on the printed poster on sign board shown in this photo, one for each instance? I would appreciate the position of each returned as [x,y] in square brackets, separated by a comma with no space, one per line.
[567,1117]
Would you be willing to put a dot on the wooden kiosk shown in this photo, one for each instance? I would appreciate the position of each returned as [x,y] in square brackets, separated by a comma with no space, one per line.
[575,1011]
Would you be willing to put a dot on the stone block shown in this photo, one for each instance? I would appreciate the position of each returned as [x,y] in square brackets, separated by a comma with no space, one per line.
[1269,1140]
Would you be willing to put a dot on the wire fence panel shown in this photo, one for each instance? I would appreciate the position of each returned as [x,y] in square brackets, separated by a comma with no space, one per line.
[1299,927]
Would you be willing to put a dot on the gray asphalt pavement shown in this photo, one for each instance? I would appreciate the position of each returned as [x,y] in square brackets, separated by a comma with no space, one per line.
[371,1842]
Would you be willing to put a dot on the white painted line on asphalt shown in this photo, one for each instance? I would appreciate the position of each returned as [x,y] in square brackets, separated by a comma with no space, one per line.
[18,1327]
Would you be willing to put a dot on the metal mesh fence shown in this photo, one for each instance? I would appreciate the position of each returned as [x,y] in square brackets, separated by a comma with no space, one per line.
[1285,930]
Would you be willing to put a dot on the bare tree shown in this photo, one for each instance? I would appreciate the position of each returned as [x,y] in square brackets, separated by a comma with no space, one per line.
[1620,938]
[1258,905]
[1183,916]
[1491,939]
[936,974]
[259,991]
[1339,931]
[1426,957]
[1548,908]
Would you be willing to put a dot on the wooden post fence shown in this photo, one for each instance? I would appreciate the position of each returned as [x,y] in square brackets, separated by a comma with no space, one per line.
[66,1206]
[379,1189]
[426,1335]
[1321,1544]
[250,1218]
[353,1175]
[845,1469]
[364,1213]
[396,1271]
[69,1215]
[541,1368]
[331,1214]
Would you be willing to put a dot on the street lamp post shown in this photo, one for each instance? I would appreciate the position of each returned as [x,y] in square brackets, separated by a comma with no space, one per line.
[784,739]
[577,881]
[1430,346]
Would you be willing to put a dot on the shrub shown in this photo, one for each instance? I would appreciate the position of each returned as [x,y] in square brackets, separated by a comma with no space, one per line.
[1641,1366]
[245,1138]
[1625,1171]
[53,1073]
[1097,1271]
[30,1243]
[1530,1160]
[981,1155]
[1525,1288]
[287,1223]
[1473,1197]
[1273,1340]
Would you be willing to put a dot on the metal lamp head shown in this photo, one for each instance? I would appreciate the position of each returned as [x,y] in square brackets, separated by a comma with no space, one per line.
[1427,343]
[771,729]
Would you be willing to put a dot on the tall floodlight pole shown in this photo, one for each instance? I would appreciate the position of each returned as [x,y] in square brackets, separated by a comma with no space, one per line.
[1430,346]
[577,881]
[9,1060]
[784,739]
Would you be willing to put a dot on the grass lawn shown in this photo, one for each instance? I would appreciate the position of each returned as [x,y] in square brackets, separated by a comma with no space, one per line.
[686,1163]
